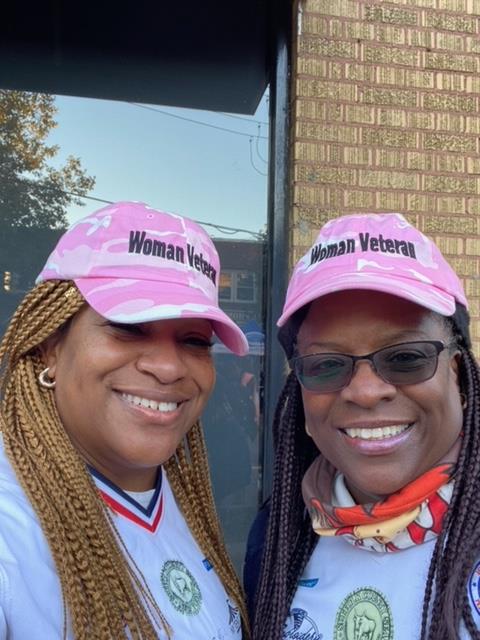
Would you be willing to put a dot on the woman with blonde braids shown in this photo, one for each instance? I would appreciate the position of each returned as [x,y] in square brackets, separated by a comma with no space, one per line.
[107,523]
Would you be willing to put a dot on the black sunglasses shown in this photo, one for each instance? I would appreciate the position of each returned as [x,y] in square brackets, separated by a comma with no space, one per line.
[399,364]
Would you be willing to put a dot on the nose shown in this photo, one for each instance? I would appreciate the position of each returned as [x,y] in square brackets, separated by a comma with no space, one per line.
[366,388]
[163,360]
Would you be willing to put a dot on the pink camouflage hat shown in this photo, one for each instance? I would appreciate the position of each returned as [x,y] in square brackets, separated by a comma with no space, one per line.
[134,264]
[377,252]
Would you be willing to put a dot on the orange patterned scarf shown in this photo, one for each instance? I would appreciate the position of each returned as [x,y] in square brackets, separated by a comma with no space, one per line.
[412,515]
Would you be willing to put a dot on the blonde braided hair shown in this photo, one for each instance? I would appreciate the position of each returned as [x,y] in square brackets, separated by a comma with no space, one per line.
[104,595]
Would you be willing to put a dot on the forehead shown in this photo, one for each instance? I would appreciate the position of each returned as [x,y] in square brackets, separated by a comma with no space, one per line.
[368,316]
[179,323]
[87,317]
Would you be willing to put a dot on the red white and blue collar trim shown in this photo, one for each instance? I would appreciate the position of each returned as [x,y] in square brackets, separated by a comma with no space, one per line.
[120,502]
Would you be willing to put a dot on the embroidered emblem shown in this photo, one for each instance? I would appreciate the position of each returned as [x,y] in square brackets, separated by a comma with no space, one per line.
[181,588]
[299,626]
[474,587]
[364,615]
[234,620]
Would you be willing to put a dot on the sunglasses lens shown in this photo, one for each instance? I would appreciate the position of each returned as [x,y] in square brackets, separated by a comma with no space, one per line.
[408,363]
[323,373]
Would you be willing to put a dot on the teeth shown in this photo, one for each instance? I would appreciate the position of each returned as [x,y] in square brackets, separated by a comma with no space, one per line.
[378,433]
[150,404]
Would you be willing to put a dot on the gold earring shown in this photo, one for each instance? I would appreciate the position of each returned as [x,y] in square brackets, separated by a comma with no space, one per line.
[44,380]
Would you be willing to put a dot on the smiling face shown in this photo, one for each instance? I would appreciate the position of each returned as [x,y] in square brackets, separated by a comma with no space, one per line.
[127,394]
[380,436]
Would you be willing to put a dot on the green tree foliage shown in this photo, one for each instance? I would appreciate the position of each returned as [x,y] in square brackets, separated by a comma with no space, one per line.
[34,194]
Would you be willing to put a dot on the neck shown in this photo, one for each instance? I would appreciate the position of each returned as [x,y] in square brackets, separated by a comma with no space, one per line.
[362,497]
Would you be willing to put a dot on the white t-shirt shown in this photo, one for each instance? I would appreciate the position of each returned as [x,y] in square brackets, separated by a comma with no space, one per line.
[182,581]
[347,593]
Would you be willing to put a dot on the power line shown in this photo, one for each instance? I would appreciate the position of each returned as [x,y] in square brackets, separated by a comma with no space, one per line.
[204,124]
[257,147]
[231,115]
[251,160]
[77,195]
[221,228]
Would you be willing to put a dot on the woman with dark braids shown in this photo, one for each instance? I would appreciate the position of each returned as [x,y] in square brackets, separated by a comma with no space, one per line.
[372,531]
[107,524]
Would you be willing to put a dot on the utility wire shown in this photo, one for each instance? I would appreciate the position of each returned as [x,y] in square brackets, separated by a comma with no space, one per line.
[251,159]
[221,228]
[204,124]
[231,115]
[257,147]
[77,195]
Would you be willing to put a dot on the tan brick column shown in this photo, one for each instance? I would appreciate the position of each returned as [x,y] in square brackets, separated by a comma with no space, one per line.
[386,117]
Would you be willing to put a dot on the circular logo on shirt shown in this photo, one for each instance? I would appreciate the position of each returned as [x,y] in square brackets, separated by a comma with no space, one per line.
[474,587]
[364,615]
[181,588]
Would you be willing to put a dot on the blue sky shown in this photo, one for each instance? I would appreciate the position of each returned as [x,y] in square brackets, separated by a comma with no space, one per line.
[142,154]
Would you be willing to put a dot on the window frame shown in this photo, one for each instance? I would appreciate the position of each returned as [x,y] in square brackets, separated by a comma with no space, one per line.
[234,286]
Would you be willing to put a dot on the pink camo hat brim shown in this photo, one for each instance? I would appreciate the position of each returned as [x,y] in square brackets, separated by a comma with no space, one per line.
[374,252]
[133,263]
[425,295]
[131,301]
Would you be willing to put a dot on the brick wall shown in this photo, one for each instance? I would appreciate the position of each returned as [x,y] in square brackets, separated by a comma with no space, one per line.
[386,113]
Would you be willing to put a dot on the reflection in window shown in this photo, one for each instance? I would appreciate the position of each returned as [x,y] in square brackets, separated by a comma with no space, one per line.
[225,289]
[209,166]
[238,286]
[245,286]
[233,418]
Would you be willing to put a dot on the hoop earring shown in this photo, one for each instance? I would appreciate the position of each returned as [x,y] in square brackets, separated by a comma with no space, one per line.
[45,381]
[463,398]
[307,430]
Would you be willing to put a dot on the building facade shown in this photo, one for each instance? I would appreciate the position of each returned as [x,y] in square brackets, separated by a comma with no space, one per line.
[385,102]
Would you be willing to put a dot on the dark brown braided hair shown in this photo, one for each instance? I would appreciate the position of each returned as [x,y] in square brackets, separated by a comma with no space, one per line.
[290,539]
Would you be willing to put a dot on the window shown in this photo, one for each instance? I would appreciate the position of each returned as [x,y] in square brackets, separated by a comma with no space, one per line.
[173,159]
[225,290]
[238,286]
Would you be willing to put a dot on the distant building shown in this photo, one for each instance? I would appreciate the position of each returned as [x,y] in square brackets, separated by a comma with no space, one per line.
[241,279]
